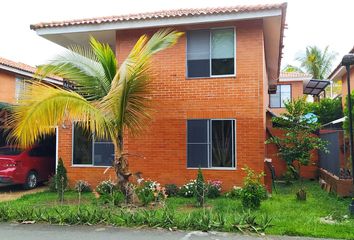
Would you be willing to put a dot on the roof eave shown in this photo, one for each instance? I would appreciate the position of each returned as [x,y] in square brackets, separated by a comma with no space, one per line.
[29,74]
[158,22]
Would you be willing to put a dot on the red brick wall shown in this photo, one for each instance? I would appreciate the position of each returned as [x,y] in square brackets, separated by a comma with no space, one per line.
[176,99]
[7,87]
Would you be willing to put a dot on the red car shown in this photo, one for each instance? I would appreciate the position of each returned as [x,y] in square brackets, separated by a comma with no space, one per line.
[27,167]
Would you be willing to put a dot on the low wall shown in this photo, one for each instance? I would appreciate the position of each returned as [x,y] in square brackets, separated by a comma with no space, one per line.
[332,183]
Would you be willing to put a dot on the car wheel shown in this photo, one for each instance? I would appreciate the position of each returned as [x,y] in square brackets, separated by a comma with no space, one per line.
[31,180]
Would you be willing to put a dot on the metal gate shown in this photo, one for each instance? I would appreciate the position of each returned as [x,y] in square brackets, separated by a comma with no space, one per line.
[331,161]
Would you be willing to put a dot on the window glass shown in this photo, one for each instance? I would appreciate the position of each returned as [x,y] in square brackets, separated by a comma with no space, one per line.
[222,139]
[285,94]
[282,95]
[210,143]
[210,52]
[198,53]
[19,88]
[198,142]
[82,144]
[222,51]
[103,153]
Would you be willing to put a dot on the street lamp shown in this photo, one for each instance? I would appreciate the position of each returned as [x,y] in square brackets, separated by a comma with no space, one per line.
[347,61]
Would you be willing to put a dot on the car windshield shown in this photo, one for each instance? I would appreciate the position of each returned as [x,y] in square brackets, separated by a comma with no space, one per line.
[10,151]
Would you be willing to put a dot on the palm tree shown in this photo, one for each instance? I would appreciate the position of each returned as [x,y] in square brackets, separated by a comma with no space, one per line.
[108,99]
[291,68]
[316,62]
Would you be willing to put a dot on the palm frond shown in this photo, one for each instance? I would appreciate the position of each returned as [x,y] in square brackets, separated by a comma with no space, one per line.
[82,67]
[129,94]
[43,107]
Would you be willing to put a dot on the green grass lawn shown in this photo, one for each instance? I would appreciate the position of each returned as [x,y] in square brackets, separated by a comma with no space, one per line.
[289,216]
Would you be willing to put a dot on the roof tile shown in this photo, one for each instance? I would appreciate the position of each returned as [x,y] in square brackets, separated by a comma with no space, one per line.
[159,14]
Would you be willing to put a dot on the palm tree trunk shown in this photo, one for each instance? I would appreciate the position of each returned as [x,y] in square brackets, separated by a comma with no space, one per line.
[121,168]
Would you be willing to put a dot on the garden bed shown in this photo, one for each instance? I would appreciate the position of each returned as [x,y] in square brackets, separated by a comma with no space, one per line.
[288,216]
[332,183]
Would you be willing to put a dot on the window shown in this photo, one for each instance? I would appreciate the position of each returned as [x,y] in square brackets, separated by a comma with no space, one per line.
[88,150]
[19,88]
[211,143]
[282,95]
[210,52]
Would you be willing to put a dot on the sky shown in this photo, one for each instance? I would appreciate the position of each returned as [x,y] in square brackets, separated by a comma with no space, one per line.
[310,22]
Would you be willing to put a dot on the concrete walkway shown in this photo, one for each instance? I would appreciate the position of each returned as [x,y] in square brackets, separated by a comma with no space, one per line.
[14,192]
[54,232]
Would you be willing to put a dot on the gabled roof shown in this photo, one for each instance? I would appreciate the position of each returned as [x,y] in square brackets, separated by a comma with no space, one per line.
[176,13]
[339,71]
[25,70]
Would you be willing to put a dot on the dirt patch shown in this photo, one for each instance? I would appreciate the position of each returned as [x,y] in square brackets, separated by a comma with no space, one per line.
[15,192]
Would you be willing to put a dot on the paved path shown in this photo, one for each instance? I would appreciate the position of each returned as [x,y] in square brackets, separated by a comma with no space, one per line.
[14,192]
[54,232]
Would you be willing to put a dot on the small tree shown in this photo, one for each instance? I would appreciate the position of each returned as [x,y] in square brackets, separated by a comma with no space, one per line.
[61,180]
[299,139]
[200,190]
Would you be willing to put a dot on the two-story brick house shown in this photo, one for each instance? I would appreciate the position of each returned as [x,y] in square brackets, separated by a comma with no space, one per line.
[210,92]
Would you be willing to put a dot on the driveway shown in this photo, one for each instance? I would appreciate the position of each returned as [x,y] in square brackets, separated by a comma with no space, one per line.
[54,232]
[15,192]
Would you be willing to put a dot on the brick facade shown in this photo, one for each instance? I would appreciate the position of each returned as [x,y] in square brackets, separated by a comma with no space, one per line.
[176,99]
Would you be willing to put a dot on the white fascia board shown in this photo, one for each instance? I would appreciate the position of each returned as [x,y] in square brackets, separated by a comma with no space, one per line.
[28,74]
[339,73]
[163,22]
[294,79]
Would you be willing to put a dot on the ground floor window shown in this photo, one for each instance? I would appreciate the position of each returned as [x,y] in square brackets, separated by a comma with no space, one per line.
[89,150]
[211,143]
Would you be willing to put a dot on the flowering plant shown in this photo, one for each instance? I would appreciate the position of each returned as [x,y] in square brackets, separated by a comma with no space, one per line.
[188,189]
[149,191]
[214,188]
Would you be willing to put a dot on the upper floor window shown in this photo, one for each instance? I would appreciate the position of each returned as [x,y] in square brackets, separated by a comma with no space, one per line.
[211,52]
[19,88]
[282,95]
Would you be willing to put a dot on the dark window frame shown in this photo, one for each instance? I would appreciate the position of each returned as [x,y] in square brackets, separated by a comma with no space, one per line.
[209,144]
[93,142]
[210,58]
[281,104]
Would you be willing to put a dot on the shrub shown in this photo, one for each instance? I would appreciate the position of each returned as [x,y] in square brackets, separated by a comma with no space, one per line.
[253,191]
[171,190]
[235,193]
[149,191]
[105,187]
[188,189]
[200,189]
[109,193]
[82,186]
[214,189]
[61,180]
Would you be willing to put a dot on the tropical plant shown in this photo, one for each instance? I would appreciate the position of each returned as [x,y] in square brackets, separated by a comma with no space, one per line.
[105,99]
[327,109]
[317,62]
[298,141]
[253,191]
[299,128]
[291,68]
